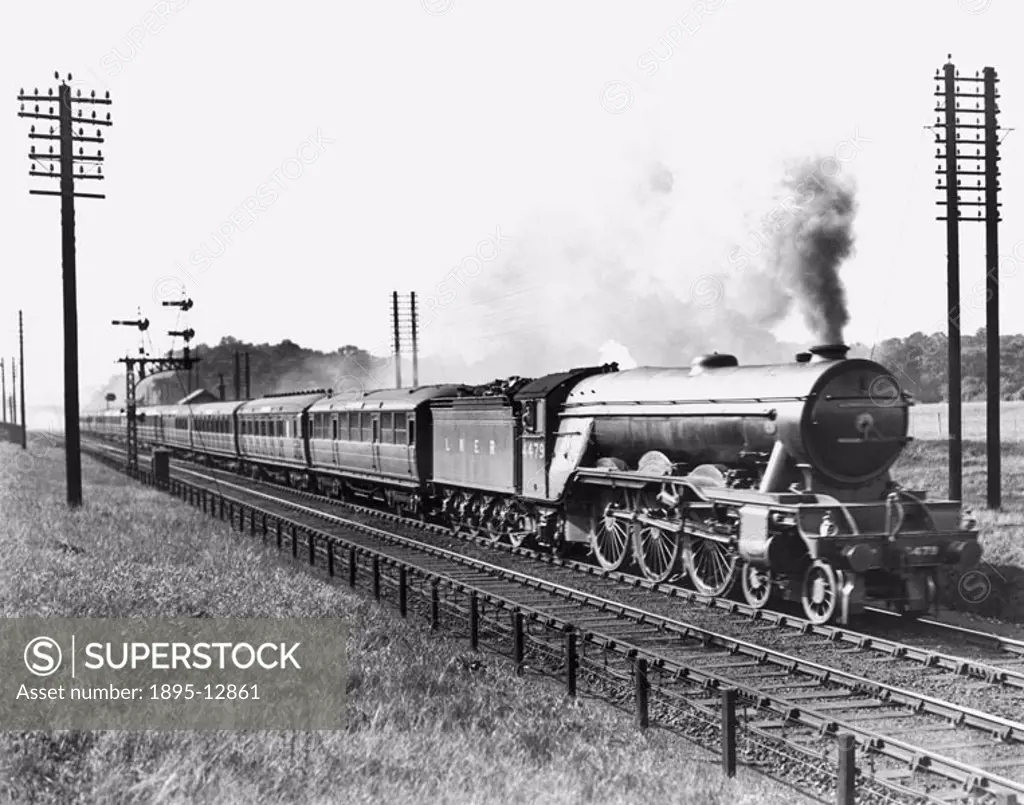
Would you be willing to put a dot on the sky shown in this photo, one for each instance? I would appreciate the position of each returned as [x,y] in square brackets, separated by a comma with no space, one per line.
[290,165]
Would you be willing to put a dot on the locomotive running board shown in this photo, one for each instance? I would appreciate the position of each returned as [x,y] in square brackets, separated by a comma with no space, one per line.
[624,479]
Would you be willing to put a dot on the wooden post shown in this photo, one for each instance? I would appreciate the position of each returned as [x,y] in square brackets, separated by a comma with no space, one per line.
[330,558]
[640,678]
[402,582]
[474,622]
[279,535]
[252,522]
[729,732]
[376,577]
[435,605]
[845,787]
[295,542]
[352,567]
[571,661]
[517,641]
[311,541]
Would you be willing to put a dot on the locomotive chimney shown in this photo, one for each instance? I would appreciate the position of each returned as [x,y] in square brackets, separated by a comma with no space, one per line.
[829,352]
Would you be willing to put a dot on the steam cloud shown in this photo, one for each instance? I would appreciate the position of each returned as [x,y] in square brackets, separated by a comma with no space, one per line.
[808,249]
[633,275]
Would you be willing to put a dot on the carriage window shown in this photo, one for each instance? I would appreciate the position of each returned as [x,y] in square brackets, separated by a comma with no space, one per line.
[365,419]
[400,434]
[334,427]
[412,431]
[343,426]
[376,431]
[387,428]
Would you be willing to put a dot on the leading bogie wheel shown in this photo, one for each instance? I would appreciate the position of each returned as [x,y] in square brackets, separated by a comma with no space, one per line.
[820,592]
[757,585]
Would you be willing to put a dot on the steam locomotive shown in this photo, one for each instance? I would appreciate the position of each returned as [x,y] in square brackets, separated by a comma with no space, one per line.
[773,477]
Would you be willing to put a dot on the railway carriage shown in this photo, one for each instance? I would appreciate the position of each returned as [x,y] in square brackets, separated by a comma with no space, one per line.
[377,446]
[176,427]
[214,430]
[272,430]
[148,430]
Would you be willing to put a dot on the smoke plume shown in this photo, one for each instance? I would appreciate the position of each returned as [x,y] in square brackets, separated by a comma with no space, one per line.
[810,246]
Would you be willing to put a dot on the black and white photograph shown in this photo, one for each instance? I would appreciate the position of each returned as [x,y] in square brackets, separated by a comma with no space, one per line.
[477,401]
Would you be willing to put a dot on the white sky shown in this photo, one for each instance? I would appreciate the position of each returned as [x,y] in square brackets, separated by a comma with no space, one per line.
[444,126]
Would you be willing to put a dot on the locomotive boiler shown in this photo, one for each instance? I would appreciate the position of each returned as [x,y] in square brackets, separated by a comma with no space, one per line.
[776,476]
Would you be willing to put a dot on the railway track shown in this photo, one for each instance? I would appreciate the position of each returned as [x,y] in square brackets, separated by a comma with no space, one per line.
[917,745]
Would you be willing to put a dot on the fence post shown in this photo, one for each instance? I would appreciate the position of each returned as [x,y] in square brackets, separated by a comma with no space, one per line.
[641,693]
[845,790]
[279,534]
[231,513]
[571,661]
[252,522]
[330,558]
[474,622]
[517,641]
[295,542]
[376,577]
[351,567]
[435,605]
[264,528]
[311,542]
[729,732]
[221,506]
[403,580]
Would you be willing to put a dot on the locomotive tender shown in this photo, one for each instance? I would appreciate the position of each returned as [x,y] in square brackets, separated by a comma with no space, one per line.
[775,477]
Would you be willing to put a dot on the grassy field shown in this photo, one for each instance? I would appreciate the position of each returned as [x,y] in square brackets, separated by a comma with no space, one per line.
[931,421]
[427,721]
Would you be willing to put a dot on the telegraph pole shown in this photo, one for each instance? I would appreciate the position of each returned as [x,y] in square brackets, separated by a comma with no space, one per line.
[405,325]
[66,136]
[952,219]
[3,386]
[21,360]
[398,339]
[993,381]
[415,348]
[963,124]
[14,393]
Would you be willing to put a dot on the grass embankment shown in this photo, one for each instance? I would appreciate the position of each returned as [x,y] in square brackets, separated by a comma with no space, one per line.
[925,465]
[427,720]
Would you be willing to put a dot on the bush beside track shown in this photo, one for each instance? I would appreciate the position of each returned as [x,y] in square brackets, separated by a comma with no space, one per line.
[428,720]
